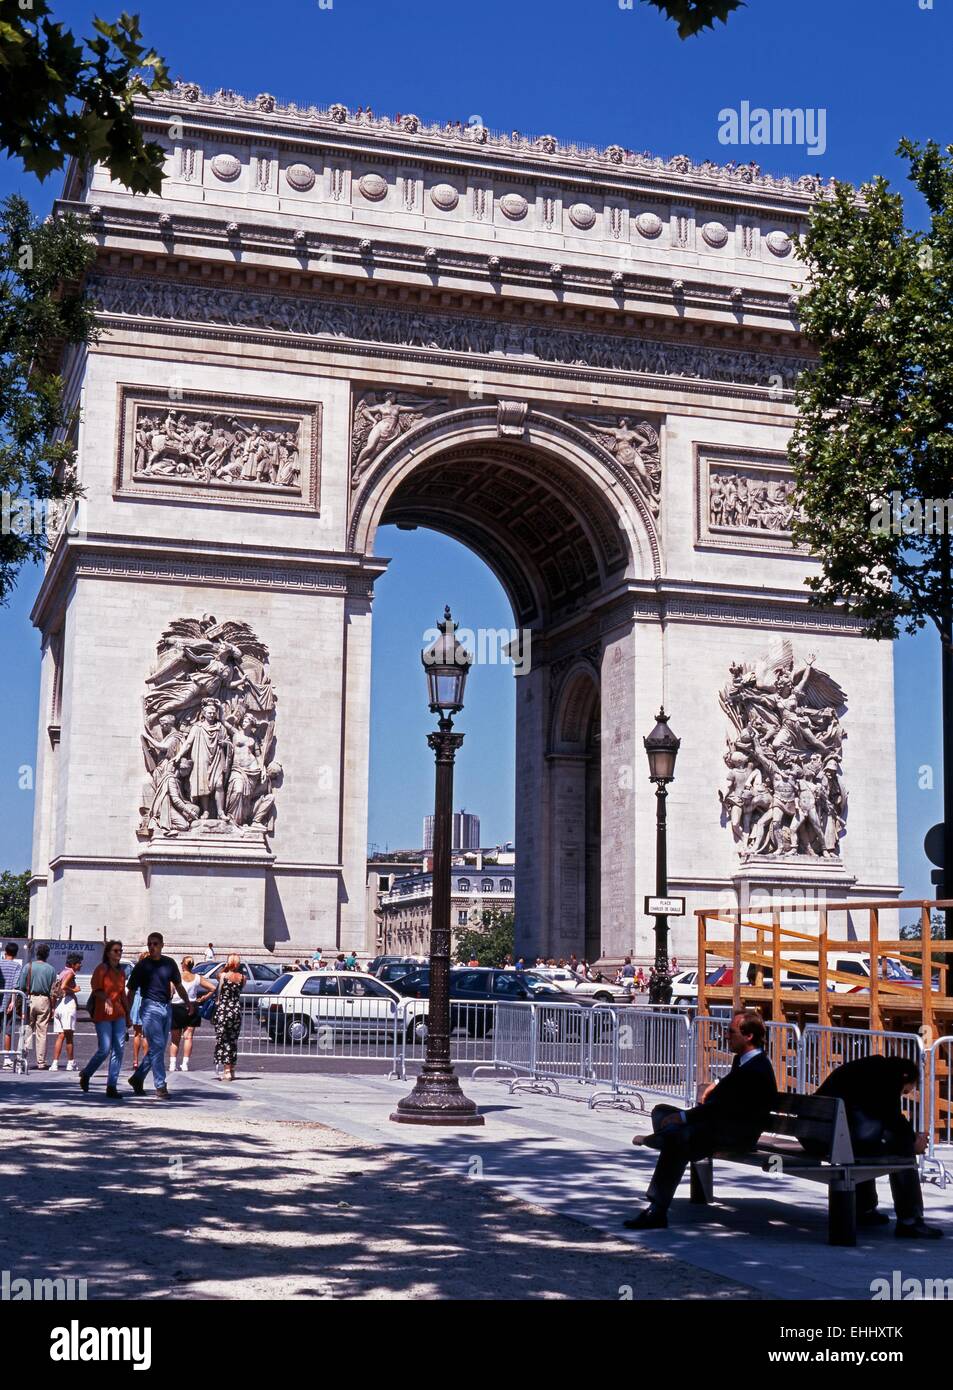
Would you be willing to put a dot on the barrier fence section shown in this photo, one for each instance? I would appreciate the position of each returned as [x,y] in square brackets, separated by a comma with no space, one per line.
[362,1025]
[939,1094]
[713,1058]
[14,1011]
[824,1047]
[473,1023]
[636,1049]
[623,1049]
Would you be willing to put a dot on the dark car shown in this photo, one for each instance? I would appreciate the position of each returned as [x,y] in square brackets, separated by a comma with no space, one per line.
[392,971]
[473,988]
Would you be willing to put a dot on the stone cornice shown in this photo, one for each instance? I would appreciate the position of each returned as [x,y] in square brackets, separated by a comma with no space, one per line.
[265,120]
[180,562]
[292,257]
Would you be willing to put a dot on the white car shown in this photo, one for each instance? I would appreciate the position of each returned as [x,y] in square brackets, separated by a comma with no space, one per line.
[306,1004]
[601,991]
[685,987]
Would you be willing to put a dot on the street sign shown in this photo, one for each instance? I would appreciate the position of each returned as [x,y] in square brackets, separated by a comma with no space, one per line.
[664,907]
[933,845]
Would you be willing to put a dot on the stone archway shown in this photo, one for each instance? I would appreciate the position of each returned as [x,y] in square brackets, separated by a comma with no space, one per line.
[564,528]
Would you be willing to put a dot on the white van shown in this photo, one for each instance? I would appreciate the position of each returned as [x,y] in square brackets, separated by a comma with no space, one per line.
[859,966]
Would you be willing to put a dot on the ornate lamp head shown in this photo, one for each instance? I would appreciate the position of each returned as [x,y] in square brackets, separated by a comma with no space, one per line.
[447,665]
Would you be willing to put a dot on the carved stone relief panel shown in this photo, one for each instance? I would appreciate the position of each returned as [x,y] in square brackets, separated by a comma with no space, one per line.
[745,499]
[785,792]
[208,736]
[206,446]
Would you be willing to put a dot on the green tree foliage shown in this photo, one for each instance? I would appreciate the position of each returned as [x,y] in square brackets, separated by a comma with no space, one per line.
[14,903]
[876,415]
[60,97]
[490,943]
[41,307]
[692,16]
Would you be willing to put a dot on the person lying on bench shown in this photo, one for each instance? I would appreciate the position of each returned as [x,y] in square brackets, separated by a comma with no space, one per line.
[872,1089]
[731,1115]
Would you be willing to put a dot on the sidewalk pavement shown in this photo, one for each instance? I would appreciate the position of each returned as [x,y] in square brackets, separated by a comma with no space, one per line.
[321,1195]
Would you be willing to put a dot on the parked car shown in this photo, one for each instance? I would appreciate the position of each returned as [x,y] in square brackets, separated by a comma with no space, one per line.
[685,987]
[600,990]
[259,975]
[351,1005]
[395,970]
[474,988]
[376,962]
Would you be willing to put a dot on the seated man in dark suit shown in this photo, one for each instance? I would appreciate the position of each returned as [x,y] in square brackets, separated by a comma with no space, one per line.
[732,1114]
[872,1089]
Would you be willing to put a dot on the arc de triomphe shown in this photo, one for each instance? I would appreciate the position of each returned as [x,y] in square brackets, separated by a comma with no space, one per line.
[579,363]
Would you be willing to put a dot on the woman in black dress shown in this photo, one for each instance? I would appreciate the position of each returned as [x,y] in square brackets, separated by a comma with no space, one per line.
[228,1016]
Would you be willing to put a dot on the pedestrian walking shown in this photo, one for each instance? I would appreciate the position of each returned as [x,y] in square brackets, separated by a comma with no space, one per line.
[350,961]
[12,1004]
[110,1016]
[228,1017]
[157,976]
[140,1043]
[38,981]
[185,1023]
[210,952]
[64,999]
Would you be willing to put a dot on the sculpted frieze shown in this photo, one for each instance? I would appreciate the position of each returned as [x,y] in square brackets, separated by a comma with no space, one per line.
[460,333]
[185,443]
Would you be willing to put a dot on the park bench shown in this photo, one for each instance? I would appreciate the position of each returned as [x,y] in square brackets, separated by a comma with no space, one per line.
[822,1119]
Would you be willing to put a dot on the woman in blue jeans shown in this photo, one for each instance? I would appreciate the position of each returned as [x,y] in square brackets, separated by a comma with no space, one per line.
[110,1015]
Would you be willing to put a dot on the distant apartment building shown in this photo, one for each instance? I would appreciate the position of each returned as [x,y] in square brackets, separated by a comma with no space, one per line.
[475,888]
[466,831]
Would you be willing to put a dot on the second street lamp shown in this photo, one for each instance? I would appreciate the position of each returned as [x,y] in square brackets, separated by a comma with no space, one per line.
[661,747]
[437,1098]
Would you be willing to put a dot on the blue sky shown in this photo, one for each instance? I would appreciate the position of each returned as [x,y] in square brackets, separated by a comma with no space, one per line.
[588,70]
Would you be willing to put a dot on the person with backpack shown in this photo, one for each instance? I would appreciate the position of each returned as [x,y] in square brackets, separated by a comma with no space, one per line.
[63,998]
[110,1013]
[38,981]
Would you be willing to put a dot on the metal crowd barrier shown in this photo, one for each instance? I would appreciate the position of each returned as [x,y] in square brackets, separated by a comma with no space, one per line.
[713,1058]
[360,1026]
[14,1029]
[637,1049]
[472,1026]
[623,1051]
[824,1047]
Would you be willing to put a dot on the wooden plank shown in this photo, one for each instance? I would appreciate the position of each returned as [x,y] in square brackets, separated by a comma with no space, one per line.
[823,1007]
[777,1008]
[736,959]
[876,1016]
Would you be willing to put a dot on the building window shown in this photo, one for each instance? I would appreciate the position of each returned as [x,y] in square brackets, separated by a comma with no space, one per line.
[463,885]
[486,886]
[506,885]
[462,919]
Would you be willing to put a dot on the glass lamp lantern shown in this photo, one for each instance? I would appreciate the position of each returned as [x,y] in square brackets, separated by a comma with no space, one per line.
[447,665]
[661,747]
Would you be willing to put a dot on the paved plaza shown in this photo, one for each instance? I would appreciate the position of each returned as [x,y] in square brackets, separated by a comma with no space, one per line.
[300,1186]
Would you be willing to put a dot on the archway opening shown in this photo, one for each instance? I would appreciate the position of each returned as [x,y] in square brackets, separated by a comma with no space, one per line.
[553,532]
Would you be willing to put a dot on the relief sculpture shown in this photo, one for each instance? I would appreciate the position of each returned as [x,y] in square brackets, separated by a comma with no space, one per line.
[209,732]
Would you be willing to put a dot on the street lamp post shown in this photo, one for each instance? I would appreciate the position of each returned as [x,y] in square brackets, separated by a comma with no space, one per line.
[437,1098]
[662,747]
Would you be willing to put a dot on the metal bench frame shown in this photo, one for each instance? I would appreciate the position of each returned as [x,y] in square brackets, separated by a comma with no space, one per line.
[796,1117]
